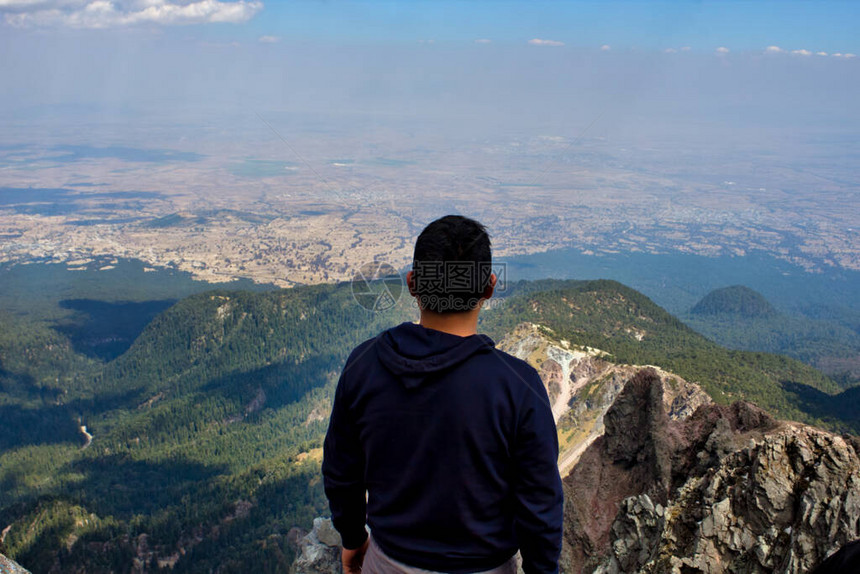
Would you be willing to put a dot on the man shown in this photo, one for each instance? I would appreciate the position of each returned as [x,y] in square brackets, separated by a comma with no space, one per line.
[846,560]
[444,445]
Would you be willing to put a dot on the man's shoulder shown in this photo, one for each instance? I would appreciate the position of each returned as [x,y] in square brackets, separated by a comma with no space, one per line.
[511,360]
[362,350]
[514,366]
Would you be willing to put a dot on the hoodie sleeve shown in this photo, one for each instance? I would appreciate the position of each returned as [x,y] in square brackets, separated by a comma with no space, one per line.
[537,487]
[343,471]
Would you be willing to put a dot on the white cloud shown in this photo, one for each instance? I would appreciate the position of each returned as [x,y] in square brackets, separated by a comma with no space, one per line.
[542,42]
[685,49]
[820,53]
[773,50]
[837,54]
[121,13]
[606,47]
[269,39]
[803,52]
[233,44]
[483,41]
[850,56]
[670,50]
[722,50]
[21,5]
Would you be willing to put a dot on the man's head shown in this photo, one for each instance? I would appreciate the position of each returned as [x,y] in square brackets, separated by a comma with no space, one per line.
[452,266]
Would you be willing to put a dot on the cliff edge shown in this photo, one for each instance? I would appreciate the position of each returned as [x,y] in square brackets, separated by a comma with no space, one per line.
[729,489]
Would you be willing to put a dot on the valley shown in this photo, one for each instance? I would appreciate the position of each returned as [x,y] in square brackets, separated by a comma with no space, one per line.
[302,199]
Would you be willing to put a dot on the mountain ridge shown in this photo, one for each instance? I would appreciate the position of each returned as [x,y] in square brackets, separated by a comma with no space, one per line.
[739,318]
[206,431]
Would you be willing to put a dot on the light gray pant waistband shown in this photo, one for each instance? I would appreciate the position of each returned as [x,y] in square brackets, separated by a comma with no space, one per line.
[376,562]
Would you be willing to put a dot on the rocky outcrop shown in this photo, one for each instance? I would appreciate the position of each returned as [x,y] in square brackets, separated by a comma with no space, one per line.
[582,384]
[728,489]
[318,551]
[564,368]
[11,567]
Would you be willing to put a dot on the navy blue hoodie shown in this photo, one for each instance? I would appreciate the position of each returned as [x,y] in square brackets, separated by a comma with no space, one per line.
[455,445]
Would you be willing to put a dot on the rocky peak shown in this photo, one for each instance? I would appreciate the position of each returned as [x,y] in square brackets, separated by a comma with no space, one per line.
[639,407]
[728,489]
[564,368]
[582,385]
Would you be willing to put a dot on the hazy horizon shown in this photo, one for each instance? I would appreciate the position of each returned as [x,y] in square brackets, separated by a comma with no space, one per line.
[657,118]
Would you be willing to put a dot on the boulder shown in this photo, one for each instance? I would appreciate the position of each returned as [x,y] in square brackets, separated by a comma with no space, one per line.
[319,550]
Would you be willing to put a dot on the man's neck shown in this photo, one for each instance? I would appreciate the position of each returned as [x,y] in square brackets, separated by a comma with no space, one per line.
[460,324]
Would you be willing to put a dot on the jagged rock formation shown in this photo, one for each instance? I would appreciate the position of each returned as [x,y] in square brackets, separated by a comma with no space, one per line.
[728,489]
[11,567]
[564,368]
[582,385]
[318,551]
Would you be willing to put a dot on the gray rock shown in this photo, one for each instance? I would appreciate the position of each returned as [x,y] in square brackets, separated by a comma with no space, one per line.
[319,550]
[743,492]
[8,566]
[326,533]
[635,533]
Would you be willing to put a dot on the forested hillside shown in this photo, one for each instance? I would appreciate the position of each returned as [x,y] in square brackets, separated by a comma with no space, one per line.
[206,433]
[735,300]
[622,321]
[740,318]
[206,436]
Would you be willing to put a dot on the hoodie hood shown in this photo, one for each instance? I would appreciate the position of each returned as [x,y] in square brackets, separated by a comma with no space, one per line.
[412,352]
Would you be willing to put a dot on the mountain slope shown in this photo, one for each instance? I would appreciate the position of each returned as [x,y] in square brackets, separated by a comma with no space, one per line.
[206,438]
[740,318]
[206,432]
[582,385]
[633,330]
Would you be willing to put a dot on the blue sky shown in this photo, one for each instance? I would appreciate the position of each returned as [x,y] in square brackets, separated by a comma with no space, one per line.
[827,26]
[784,63]
[830,26]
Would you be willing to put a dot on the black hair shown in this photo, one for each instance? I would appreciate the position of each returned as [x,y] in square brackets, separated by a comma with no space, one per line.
[451,265]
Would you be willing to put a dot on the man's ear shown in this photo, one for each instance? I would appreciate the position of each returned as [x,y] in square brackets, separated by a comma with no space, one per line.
[491,286]
[410,283]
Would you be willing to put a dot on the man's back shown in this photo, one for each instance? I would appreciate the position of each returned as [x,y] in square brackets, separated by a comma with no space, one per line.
[455,444]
